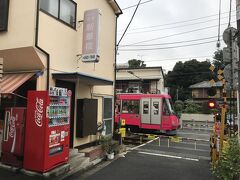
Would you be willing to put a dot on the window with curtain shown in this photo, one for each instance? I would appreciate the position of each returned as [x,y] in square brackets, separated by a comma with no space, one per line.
[64,10]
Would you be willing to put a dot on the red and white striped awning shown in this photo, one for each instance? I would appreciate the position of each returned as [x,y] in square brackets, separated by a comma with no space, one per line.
[11,82]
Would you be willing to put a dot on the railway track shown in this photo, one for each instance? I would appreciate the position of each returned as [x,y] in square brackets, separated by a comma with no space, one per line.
[135,139]
[140,138]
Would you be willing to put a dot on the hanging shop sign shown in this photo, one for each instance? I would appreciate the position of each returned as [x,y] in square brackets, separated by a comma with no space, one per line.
[90,45]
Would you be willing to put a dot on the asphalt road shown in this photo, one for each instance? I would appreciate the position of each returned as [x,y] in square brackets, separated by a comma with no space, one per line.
[183,160]
[140,166]
[169,160]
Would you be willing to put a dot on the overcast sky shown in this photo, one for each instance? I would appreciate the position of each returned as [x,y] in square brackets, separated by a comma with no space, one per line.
[171,23]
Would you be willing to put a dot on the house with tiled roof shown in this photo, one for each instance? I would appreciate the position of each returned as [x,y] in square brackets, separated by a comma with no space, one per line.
[200,90]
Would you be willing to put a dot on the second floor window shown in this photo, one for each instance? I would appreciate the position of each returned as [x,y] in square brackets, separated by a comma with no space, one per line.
[64,10]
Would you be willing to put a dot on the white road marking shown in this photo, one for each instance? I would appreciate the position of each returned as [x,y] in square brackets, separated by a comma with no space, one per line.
[169,156]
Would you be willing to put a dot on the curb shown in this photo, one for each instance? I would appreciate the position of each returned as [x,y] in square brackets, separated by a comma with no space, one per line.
[81,169]
[9,168]
[54,173]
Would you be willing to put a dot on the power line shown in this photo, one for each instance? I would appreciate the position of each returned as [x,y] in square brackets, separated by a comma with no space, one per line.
[176,58]
[147,31]
[178,22]
[129,23]
[177,42]
[170,47]
[176,34]
[123,9]
[172,75]
[173,59]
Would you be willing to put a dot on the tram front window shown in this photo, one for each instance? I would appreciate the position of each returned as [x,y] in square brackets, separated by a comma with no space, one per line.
[167,107]
[130,106]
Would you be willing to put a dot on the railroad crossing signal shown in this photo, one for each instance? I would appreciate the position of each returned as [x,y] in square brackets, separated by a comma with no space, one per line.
[212,104]
[212,67]
[212,91]
[212,82]
[220,71]
[219,76]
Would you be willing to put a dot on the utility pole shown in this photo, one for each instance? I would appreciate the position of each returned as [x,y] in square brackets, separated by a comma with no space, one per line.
[238,41]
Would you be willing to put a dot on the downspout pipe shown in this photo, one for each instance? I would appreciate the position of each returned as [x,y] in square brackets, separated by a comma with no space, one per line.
[115,71]
[42,50]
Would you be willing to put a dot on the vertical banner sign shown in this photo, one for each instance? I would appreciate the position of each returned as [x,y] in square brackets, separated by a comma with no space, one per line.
[1,76]
[90,45]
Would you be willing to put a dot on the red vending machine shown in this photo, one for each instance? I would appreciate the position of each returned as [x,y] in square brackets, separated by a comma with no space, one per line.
[47,129]
[13,136]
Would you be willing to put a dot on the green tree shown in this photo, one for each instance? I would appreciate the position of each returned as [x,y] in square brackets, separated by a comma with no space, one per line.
[192,108]
[185,74]
[134,63]
[178,107]
[218,59]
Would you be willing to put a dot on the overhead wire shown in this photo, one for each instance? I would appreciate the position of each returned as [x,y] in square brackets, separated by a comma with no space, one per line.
[186,25]
[219,24]
[176,58]
[129,23]
[176,42]
[181,74]
[170,47]
[176,34]
[123,9]
[178,22]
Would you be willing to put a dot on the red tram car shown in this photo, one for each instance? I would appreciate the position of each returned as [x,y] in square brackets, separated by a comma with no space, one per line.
[146,111]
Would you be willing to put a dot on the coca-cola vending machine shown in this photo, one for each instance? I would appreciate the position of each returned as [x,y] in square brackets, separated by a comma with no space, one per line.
[13,136]
[47,129]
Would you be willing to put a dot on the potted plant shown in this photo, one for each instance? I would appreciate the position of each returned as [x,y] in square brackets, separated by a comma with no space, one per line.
[107,146]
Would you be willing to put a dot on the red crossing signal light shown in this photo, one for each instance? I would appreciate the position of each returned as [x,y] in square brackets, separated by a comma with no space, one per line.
[212,104]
